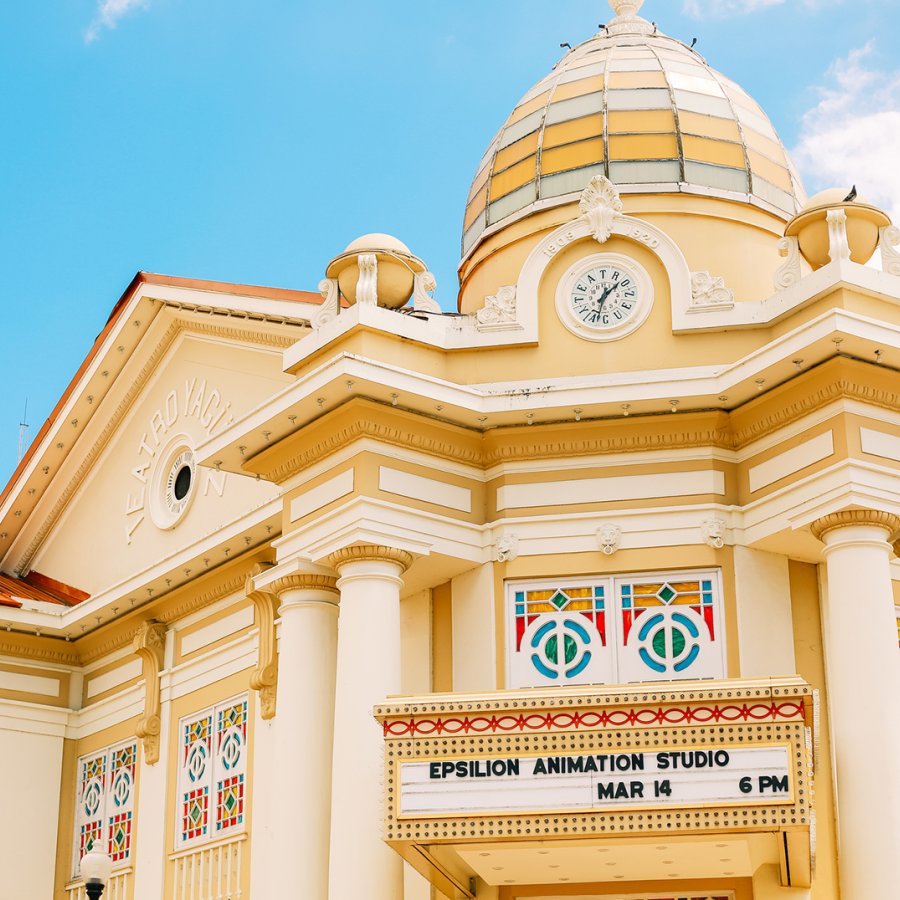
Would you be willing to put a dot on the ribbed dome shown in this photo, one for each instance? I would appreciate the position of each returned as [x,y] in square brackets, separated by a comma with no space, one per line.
[642,109]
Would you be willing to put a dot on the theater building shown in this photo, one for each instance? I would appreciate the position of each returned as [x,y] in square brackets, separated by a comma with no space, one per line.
[586,591]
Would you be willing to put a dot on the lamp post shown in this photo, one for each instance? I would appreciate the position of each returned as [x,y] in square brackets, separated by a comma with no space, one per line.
[96,867]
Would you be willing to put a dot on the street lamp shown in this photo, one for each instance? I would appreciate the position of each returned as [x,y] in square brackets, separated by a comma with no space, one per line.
[96,867]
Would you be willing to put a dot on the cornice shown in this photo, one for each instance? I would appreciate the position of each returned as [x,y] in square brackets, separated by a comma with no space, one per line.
[54,650]
[786,412]
[358,420]
[370,553]
[849,517]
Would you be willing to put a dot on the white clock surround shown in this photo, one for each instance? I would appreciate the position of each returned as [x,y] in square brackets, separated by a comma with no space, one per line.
[643,300]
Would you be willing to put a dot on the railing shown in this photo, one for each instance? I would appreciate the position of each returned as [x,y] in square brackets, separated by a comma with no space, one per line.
[210,872]
[116,887]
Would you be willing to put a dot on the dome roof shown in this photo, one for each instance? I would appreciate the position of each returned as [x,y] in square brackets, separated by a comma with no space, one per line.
[646,111]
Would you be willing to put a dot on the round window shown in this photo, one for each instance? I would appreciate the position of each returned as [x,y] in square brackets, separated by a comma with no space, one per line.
[173,483]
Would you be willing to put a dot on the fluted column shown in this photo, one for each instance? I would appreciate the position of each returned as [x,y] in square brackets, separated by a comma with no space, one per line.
[863,674]
[368,671]
[303,735]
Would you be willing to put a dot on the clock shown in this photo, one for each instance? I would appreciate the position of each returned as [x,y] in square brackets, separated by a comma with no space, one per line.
[604,297]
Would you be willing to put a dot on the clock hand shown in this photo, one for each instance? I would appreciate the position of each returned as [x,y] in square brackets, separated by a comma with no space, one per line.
[606,294]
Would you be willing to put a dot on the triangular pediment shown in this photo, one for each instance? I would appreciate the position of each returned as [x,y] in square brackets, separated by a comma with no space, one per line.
[129,501]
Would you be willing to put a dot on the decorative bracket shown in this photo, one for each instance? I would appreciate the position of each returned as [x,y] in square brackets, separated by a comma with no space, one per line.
[838,243]
[499,311]
[890,256]
[789,273]
[708,292]
[600,204]
[714,533]
[609,537]
[424,286]
[507,548]
[150,645]
[328,311]
[264,677]
[367,286]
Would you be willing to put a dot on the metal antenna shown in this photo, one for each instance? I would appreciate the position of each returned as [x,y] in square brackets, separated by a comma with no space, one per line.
[23,433]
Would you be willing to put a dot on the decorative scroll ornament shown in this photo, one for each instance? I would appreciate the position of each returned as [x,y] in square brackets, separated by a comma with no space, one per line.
[714,533]
[499,311]
[507,548]
[600,204]
[328,311]
[150,645]
[838,243]
[789,273]
[609,537]
[424,286]
[367,286]
[708,292]
[890,256]
[264,677]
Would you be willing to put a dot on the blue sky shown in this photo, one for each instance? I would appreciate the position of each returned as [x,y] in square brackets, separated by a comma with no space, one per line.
[251,142]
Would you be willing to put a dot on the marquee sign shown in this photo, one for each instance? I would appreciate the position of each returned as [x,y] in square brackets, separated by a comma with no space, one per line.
[599,781]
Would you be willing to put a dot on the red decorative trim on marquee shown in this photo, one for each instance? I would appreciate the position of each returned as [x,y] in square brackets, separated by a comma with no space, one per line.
[617,718]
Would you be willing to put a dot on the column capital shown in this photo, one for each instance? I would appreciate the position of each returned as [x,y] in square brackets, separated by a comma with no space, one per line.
[849,517]
[370,553]
[303,581]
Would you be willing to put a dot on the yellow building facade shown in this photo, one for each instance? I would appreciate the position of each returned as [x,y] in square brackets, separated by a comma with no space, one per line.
[589,590]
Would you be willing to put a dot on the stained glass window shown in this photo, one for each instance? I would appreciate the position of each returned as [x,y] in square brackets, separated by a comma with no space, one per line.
[212,770]
[105,803]
[898,624]
[663,627]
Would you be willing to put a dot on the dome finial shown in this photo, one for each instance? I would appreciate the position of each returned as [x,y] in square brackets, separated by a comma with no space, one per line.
[626,9]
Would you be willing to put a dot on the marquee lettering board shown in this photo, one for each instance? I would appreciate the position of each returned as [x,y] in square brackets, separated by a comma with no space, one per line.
[716,776]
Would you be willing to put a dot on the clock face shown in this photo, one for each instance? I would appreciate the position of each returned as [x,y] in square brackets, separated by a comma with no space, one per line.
[604,297]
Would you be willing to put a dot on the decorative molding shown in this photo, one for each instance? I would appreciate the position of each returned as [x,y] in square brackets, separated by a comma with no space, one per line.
[507,548]
[134,390]
[264,678]
[424,286]
[790,271]
[367,286]
[39,649]
[149,645]
[304,581]
[838,242]
[849,517]
[609,537]
[370,552]
[714,532]
[600,204]
[167,614]
[709,292]
[890,256]
[839,389]
[593,719]
[499,311]
[328,311]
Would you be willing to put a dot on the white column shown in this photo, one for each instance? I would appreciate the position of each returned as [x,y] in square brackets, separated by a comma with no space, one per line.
[303,736]
[863,672]
[363,866]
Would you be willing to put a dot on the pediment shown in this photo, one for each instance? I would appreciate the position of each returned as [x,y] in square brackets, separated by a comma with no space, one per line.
[131,501]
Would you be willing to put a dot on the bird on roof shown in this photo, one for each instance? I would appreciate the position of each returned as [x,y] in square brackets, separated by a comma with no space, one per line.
[694,43]
[852,195]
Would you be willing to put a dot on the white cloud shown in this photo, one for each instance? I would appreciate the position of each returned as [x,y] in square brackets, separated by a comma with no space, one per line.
[850,136]
[109,12]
